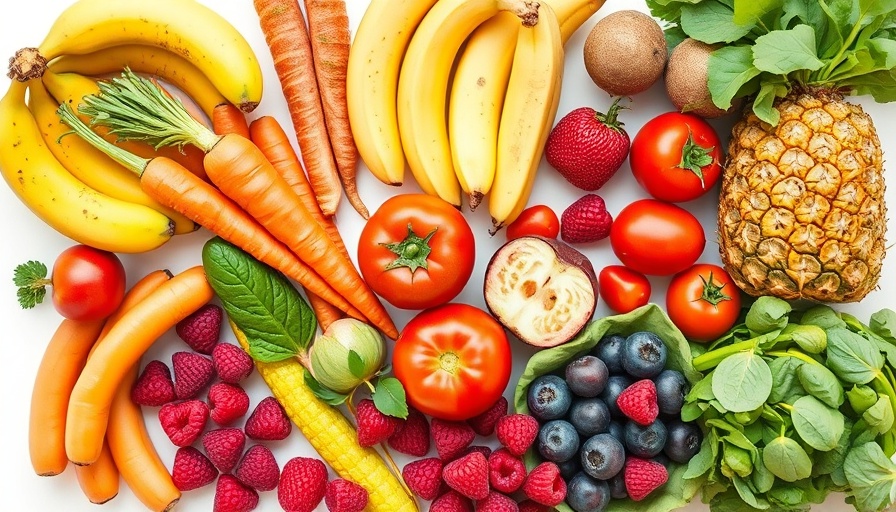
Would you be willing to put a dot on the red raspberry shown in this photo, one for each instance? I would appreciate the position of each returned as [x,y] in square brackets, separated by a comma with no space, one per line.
[484,424]
[412,437]
[345,496]
[496,502]
[517,432]
[424,477]
[183,421]
[545,485]
[638,402]
[192,372]
[451,437]
[258,469]
[231,362]
[154,386]
[303,484]
[201,330]
[468,475]
[374,427]
[642,477]
[232,496]
[506,472]
[586,220]
[191,469]
[268,422]
[227,402]
[451,501]
[531,506]
[224,447]
[484,450]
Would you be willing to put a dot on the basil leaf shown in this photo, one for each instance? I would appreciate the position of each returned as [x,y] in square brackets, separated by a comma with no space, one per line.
[276,320]
[730,68]
[852,357]
[784,51]
[871,475]
[786,459]
[817,424]
[389,397]
[712,22]
[821,383]
[742,382]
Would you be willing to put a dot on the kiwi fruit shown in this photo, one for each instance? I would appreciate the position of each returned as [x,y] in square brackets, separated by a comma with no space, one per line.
[625,52]
[687,80]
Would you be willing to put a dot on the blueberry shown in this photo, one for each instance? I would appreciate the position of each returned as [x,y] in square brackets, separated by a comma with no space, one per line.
[617,486]
[589,416]
[643,355]
[615,429]
[587,376]
[671,388]
[609,350]
[585,494]
[615,385]
[569,468]
[664,459]
[645,442]
[548,398]
[558,441]
[602,456]
[683,441]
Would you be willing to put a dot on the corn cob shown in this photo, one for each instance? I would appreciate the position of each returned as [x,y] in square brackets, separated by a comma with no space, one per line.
[332,435]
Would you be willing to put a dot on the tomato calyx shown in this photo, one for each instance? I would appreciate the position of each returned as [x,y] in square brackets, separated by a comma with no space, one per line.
[412,251]
[695,157]
[712,293]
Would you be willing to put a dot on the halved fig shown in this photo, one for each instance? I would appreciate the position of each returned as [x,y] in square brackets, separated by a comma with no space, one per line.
[542,290]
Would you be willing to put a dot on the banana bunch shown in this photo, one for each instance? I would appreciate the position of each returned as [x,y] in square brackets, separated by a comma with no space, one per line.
[70,185]
[463,92]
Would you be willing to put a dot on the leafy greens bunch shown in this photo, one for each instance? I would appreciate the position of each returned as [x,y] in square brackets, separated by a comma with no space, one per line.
[796,405]
[766,47]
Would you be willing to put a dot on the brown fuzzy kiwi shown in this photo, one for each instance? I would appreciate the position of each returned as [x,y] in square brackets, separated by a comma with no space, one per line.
[625,52]
[686,79]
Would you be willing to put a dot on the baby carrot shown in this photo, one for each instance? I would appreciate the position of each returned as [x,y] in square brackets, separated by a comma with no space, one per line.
[227,118]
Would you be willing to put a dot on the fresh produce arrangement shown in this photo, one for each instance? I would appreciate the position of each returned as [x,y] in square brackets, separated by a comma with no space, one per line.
[646,315]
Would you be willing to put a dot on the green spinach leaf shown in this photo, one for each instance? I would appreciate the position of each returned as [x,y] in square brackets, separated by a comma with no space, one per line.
[787,460]
[784,51]
[879,416]
[786,385]
[821,383]
[712,22]
[872,477]
[852,357]
[742,382]
[817,424]
[389,397]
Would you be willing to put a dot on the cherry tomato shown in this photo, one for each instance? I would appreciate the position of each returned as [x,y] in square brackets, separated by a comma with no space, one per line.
[88,284]
[453,360]
[623,289]
[417,251]
[703,302]
[656,238]
[538,220]
[676,157]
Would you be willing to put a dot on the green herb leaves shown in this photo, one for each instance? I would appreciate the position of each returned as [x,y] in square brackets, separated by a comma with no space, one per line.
[742,382]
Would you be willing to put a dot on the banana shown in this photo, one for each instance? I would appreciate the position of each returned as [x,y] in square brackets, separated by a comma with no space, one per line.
[184,27]
[61,200]
[572,14]
[423,86]
[533,95]
[150,60]
[91,165]
[374,62]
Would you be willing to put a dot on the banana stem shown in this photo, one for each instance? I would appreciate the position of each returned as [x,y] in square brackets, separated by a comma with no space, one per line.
[526,11]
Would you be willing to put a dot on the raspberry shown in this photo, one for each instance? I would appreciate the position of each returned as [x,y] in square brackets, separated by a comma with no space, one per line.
[412,437]
[192,372]
[258,469]
[451,501]
[424,477]
[191,469]
[638,402]
[517,432]
[586,220]
[642,477]
[224,447]
[374,427]
[202,329]
[345,496]
[506,472]
[484,424]
[232,496]
[268,422]
[484,450]
[231,362]
[154,386]
[531,506]
[451,437]
[496,502]
[545,485]
[227,402]
[183,421]
[303,484]
[468,475]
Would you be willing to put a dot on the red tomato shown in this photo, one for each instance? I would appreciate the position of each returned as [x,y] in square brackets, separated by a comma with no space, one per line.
[623,289]
[538,220]
[453,360]
[88,284]
[417,251]
[703,302]
[676,157]
[656,238]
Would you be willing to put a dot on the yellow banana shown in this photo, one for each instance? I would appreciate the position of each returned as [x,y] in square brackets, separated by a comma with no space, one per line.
[61,200]
[372,81]
[184,27]
[151,60]
[423,86]
[529,110]
[91,165]
[572,14]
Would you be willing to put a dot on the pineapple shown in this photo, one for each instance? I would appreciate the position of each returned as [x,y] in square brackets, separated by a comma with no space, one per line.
[801,212]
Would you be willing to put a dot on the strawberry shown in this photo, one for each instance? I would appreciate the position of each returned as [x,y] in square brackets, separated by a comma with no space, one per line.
[232,363]
[451,501]
[506,472]
[451,437]
[227,402]
[532,506]
[588,147]
[224,446]
[268,421]
[182,422]
[374,427]
[585,220]
[303,484]
[412,437]
[201,330]
[642,477]
[484,423]
[638,402]
[191,469]
[517,432]
[545,485]
[345,496]
[232,496]
[496,502]
[424,477]
[192,372]
[468,475]
[258,469]
[154,386]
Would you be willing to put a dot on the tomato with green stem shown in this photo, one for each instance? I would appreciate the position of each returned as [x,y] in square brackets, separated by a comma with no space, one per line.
[703,302]
[622,288]
[538,220]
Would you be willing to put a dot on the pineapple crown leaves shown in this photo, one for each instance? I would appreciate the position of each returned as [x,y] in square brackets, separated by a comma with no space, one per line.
[766,48]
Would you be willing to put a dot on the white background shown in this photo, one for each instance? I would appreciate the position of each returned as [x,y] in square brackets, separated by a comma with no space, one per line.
[25,237]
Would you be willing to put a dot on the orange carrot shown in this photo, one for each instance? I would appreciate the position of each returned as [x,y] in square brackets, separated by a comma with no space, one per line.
[287,37]
[227,118]
[88,408]
[99,481]
[330,43]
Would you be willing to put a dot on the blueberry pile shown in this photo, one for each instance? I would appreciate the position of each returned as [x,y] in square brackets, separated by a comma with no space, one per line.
[584,431]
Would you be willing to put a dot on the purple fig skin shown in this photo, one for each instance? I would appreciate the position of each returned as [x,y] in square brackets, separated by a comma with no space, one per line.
[567,255]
